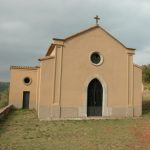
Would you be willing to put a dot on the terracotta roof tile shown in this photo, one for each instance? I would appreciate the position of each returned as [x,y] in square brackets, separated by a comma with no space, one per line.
[138,66]
[24,67]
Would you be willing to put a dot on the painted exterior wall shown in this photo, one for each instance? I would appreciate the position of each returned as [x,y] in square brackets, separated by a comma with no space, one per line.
[60,87]
[137,91]
[17,87]
[46,88]
[113,72]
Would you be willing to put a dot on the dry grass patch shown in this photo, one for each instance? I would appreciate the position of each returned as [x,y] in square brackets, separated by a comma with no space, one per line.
[22,130]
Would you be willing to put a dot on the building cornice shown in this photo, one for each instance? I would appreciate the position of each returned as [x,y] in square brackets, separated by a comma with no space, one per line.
[46,57]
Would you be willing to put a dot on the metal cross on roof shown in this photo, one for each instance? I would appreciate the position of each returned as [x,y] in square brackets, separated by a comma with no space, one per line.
[96,18]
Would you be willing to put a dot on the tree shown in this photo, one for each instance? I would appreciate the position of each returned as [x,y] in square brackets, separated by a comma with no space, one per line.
[146,73]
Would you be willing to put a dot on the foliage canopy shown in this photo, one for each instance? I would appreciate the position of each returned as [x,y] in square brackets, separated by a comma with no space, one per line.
[146,73]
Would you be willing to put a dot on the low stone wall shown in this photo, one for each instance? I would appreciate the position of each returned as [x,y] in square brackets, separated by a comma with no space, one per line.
[4,111]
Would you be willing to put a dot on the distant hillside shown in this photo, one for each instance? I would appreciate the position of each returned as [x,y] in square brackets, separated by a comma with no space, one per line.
[4,94]
[4,86]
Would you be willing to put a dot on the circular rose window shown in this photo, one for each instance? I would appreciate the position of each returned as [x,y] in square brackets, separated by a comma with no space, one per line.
[96,58]
[27,80]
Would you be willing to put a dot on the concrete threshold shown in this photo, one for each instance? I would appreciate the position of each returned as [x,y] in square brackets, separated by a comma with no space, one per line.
[91,118]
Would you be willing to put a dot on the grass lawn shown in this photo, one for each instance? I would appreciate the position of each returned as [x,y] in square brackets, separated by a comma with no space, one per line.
[21,130]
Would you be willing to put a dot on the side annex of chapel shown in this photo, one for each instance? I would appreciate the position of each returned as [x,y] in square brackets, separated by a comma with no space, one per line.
[87,74]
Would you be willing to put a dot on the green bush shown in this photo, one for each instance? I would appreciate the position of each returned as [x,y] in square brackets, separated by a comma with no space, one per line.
[146,86]
[4,98]
[146,73]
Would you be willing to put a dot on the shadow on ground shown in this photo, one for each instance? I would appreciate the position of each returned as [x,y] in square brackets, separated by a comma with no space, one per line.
[145,107]
[146,103]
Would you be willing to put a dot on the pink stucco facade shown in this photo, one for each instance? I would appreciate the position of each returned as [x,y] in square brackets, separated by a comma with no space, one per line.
[59,87]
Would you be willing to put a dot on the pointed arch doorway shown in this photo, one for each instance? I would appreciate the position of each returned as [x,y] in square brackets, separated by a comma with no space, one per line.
[94,98]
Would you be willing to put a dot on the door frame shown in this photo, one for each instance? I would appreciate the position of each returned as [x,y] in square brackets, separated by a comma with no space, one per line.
[105,110]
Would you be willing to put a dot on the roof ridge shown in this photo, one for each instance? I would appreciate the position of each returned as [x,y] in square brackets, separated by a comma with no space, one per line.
[78,33]
[116,39]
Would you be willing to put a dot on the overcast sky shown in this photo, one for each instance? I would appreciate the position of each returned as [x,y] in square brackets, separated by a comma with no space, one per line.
[28,26]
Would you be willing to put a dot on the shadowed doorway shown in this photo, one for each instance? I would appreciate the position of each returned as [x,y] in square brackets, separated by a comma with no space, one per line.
[94,98]
[26,96]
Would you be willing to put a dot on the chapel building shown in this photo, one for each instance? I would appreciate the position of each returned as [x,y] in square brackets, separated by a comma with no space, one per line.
[88,74]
